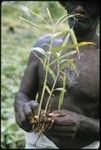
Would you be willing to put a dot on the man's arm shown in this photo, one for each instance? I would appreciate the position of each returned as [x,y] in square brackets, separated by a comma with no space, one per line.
[24,102]
[89,128]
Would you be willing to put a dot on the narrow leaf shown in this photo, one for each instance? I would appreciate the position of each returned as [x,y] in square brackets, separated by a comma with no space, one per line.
[69,16]
[38,57]
[59,20]
[66,40]
[48,12]
[65,47]
[60,33]
[73,66]
[48,90]
[63,56]
[38,16]
[40,50]
[74,39]
[60,89]
[66,18]
[31,23]
[63,60]
[61,98]
[67,64]
[51,73]
[85,43]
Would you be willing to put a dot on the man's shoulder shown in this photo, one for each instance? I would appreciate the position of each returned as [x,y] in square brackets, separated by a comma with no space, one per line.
[44,41]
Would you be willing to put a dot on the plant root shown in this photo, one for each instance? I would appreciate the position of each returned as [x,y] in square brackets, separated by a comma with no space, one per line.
[41,124]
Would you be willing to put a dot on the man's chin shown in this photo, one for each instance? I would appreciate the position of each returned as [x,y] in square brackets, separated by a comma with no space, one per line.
[81,27]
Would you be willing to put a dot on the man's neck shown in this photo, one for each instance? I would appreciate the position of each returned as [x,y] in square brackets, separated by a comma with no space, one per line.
[90,36]
[87,36]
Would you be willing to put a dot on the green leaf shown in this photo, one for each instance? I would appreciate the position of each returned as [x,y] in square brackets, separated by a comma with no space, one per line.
[67,64]
[40,50]
[60,33]
[64,18]
[85,43]
[48,90]
[70,46]
[51,72]
[38,15]
[73,66]
[38,57]
[58,21]
[74,39]
[31,23]
[49,14]
[61,98]
[60,89]
[63,56]
[68,54]
[63,60]
[66,40]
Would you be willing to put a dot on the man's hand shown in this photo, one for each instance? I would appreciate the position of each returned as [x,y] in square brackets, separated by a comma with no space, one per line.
[66,123]
[23,113]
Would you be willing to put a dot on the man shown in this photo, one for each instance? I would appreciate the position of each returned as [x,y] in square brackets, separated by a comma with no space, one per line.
[78,124]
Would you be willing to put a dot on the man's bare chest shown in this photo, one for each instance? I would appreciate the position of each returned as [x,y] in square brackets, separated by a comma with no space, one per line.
[87,80]
[82,92]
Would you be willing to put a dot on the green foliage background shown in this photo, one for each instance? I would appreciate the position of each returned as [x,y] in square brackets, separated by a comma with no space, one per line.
[17,39]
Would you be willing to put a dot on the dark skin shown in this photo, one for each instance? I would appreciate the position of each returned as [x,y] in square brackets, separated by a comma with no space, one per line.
[77,125]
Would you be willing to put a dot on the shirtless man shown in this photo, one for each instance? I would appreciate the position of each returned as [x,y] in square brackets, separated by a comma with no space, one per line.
[78,125]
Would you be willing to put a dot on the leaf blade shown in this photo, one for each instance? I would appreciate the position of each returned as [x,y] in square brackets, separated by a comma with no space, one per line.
[31,23]
[61,98]
[40,50]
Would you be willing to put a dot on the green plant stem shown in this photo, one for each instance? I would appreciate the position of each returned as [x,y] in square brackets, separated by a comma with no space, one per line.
[46,75]
[47,104]
[43,92]
[62,92]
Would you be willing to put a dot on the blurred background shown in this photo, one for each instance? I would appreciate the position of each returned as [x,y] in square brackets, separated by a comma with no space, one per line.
[17,39]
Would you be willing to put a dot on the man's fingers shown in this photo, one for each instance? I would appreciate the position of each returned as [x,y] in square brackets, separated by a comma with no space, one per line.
[34,106]
[54,114]
[27,110]
[21,115]
[22,123]
[62,121]
[18,120]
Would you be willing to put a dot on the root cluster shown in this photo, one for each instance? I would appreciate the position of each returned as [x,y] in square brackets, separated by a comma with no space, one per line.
[44,122]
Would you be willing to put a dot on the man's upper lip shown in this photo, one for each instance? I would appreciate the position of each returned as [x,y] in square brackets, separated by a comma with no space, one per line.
[81,17]
[81,14]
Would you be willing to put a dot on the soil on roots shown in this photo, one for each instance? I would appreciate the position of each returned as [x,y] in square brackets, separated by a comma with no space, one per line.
[41,123]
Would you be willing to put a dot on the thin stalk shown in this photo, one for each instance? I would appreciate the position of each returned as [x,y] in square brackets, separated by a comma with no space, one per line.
[43,92]
[48,12]
[46,75]
[62,92]
[59,20]
[47,104]
[38,16]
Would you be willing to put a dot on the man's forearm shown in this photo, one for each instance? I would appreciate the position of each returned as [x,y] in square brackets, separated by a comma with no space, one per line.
[89,128]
